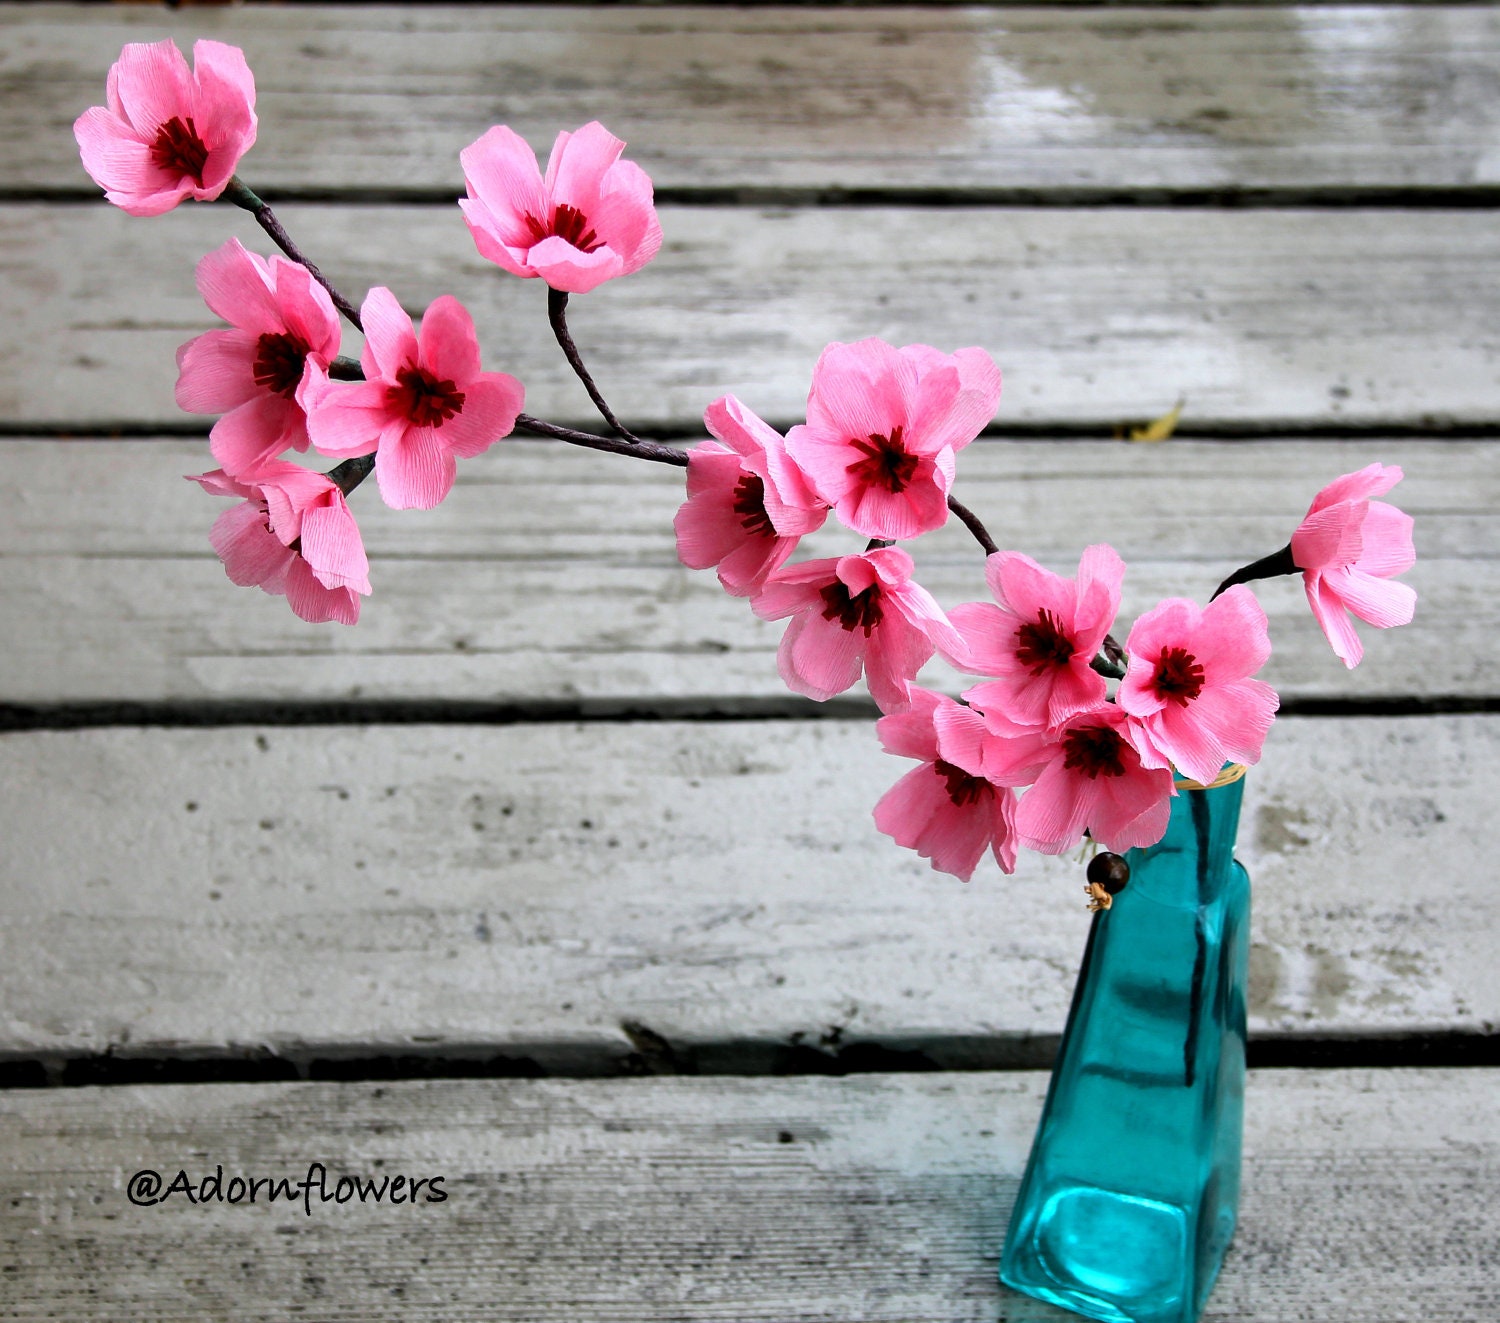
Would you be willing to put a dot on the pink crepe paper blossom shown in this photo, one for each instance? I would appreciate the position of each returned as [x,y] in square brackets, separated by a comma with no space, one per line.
[591,218]
[1187,683]
[947,810]
[284,321]
[424,401]
[292,535]
[853,613]
[168,132]
[1041,638]
[747,505]
[882,428]
[1096,780]
[1348,548]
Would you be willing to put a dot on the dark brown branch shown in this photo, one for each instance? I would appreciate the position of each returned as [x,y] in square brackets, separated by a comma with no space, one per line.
[640,449]
[1267,567]
[557,315]
[243,196]
[972,523]
[352,472]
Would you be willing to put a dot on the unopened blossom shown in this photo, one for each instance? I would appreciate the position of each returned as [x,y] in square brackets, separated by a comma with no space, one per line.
[292,535]
[424,402]
[1041,638]
[169,132]
[283,321]
[947,809]
[747,505]
[883,425]
[590,219]
[1348,548]
[853,613]
[1095,780]
[1187,682]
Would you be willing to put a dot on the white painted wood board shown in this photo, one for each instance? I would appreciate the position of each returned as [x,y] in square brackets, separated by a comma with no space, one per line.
[1259,319]
[1368,1198]
[550,574]
[976,100]
[529,890]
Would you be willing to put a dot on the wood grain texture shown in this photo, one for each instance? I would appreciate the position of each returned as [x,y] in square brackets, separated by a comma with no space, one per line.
[550,574]
[1367,1199]
[979,101]
[531,890]
[1265,319]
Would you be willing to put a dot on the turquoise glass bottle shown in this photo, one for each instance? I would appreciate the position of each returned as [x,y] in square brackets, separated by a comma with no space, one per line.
[1129,1197]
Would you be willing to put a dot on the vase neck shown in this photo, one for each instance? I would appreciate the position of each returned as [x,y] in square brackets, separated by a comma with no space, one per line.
[1190,865]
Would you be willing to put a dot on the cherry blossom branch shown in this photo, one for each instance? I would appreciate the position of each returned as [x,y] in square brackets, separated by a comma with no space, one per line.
[635,446]
[1267,567]
[348,475]
[557,310]
[242,195]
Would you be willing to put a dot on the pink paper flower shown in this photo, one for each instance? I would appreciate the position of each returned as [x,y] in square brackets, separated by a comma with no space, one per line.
[293,536]
[589,220]
[424,401]
[1348,548]
[168,132]
[1096,780]
[853,613]
[283,320]
[1187,683]
[1041,638]
[947,810]
[747,505]
[882,428]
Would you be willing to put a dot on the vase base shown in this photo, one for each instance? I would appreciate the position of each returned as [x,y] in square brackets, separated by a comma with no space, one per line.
[1114,1257]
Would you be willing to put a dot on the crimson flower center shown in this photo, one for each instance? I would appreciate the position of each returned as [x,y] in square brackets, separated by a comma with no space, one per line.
[963,789]
[426,400]
[1044,644]
[1178,677]
[1095,751]
[278,363]
[861,611]
[566,223]
[886,462]
[750,505]
[179,150]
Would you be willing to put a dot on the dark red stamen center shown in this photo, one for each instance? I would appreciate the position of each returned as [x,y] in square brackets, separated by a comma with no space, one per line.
[179,150]
[750,505]
[279,360]
[963,789]
[1044,644]
[1095,751]
[1179,677]
[886,463]
[426,400]
[862,611]
[567,223]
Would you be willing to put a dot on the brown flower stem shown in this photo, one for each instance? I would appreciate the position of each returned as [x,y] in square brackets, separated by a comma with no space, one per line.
[346,369]
[352,472]
[1267,567]
[972,523]
[640,449]
[557,310]
[242,195]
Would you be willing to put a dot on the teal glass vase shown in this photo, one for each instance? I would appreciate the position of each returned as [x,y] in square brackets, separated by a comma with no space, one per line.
[1129,1198]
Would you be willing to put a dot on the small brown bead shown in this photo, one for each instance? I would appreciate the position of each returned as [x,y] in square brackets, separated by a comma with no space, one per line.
[1109,871]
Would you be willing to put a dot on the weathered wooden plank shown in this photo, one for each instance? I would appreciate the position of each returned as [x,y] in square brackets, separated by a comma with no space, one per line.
[1367,1199]
[551,573]
[531,890]
[1266,319]
[1008,100]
